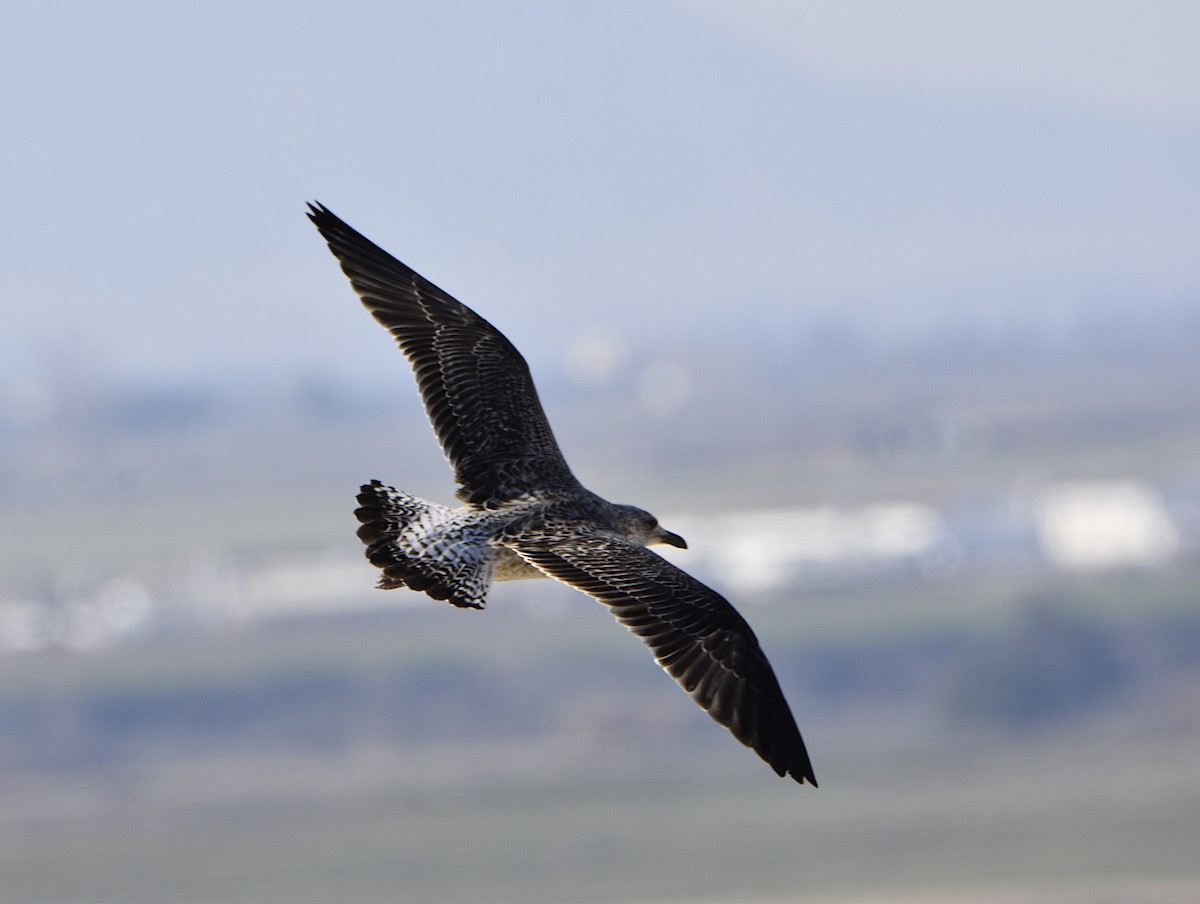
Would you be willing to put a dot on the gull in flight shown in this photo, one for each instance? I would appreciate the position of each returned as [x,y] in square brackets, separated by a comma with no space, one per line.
[525,515]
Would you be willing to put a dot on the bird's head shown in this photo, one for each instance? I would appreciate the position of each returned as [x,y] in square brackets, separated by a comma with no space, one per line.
[641,527]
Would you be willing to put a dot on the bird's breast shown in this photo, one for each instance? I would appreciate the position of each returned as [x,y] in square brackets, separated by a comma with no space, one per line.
[511,567]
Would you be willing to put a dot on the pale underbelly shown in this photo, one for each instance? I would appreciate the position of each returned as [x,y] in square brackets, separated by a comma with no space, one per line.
[511,567]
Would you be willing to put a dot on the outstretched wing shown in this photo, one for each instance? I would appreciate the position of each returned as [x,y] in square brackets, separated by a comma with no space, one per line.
[694,632]
[476,386]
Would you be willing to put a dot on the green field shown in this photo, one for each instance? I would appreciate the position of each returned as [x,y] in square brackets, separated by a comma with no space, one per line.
[1098,808]
[537,757]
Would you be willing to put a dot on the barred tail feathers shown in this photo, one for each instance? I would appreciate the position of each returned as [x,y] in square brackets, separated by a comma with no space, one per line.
[399,529]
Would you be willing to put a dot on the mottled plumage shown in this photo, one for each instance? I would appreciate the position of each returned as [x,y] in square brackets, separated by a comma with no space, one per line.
[526,515]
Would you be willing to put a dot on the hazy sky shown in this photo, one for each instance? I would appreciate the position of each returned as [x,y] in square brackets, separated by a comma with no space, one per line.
[642,166]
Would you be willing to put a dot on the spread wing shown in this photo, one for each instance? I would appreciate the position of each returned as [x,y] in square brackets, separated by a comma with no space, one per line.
[694,632]
[476,386]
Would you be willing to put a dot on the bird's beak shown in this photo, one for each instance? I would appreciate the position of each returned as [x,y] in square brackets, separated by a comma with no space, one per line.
[665,536]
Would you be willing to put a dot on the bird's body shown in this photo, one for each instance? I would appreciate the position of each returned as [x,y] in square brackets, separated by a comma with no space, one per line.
[455,553]
[525,515]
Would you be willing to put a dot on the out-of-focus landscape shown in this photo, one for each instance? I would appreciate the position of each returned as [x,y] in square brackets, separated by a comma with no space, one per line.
[975,574]
[901,338]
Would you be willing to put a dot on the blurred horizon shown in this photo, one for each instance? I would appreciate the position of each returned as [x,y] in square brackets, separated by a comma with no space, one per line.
[672,170]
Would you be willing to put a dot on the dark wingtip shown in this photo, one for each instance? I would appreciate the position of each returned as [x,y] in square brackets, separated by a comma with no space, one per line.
[803,771]
[800,768]
[322,217]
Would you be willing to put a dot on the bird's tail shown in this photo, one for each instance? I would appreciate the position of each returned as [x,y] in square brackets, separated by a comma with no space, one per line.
[408,539]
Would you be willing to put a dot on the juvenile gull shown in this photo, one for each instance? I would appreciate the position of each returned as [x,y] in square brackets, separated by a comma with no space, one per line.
[525,515]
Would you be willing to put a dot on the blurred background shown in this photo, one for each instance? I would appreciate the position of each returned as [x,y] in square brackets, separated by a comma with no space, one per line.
[890,309]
